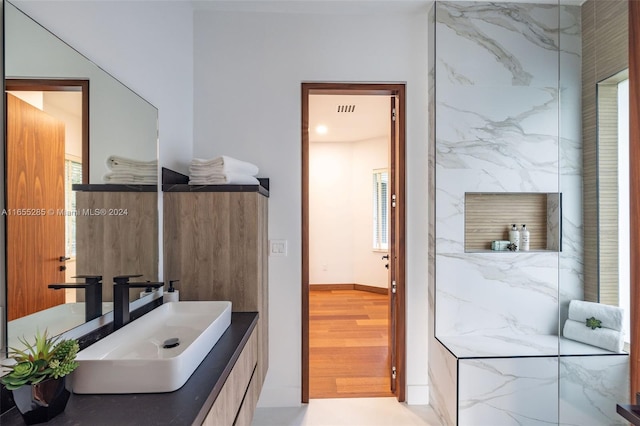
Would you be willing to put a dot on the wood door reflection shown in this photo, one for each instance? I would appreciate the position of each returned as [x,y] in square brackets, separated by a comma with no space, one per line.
[35,193]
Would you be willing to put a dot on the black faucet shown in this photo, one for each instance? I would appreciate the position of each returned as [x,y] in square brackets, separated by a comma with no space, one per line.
[121,286]
[93,294]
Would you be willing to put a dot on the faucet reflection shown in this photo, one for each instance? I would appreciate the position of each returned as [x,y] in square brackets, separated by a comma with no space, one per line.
[93,294]
[121,286]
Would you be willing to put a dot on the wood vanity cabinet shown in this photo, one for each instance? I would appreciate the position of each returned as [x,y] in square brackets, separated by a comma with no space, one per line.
[116,234]
[216,244]
[238,397]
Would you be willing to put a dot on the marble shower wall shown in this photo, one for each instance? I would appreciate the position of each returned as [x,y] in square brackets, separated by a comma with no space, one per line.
[498,104]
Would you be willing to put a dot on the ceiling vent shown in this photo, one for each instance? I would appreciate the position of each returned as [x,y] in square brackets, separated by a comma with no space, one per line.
[346,108]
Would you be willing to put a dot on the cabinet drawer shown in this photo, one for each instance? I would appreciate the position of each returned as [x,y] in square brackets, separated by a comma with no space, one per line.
[245,415]
[226,406]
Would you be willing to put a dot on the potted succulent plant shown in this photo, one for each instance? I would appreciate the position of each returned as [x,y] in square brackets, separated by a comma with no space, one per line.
[37,378]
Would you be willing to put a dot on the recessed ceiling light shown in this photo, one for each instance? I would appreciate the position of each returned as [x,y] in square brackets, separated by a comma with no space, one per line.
[321,129]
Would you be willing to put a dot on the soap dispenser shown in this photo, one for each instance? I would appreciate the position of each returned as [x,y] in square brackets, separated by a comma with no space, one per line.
[514,236]
[524,238]
[171,295]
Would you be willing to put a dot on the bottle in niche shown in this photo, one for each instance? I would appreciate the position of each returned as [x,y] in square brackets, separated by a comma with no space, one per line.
[524,238]
[514,236]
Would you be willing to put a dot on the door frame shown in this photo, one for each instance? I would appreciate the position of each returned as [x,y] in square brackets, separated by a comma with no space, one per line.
[60,85]
[399,169]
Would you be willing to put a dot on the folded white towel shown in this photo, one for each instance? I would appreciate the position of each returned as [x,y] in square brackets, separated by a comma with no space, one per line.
[118,161]
[605,338]
[139,171]
[224,164]
[611,316]
[224,179]
[129,178]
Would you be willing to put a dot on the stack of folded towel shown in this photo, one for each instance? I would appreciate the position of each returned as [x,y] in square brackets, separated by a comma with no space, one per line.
[132,172]
[222,171]
[595,324]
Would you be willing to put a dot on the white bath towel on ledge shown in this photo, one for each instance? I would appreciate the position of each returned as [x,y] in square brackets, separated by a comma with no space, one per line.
[224,179]
[130,179]
[604,338]
[610,316]
[224,164]
[115,162]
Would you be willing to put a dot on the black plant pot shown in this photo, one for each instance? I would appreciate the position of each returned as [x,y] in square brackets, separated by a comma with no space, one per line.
[42,402]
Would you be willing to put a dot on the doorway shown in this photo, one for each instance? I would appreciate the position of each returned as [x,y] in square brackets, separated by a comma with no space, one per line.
[47,152]
[384,188]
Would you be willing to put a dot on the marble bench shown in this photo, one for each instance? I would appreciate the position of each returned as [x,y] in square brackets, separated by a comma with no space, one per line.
[528,380]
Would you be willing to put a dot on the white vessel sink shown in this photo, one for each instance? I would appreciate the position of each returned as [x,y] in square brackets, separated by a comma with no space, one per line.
[137,358]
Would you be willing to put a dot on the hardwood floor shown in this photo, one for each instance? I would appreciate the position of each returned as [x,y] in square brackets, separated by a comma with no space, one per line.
[348,344]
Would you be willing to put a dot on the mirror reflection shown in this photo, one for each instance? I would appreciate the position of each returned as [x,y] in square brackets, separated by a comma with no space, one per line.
[81,182]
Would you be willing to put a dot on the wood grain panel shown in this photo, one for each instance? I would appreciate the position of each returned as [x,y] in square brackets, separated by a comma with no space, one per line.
[245,415]
[226,406]
[216,244]
[489,217]
[111,245]
[634,181]
[35,181]
[589,152]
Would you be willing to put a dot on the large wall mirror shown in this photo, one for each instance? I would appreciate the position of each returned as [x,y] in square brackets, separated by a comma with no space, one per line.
[76,201]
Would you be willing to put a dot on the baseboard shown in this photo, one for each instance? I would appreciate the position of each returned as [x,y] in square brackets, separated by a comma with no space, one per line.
[329,287]
[371,289]
[361,287]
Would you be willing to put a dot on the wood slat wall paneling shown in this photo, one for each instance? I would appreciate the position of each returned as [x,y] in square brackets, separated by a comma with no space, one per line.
[604,53]
[489,217]
[589,152]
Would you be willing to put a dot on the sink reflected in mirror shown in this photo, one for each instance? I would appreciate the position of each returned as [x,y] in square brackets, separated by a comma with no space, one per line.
[55,320]
[155,353]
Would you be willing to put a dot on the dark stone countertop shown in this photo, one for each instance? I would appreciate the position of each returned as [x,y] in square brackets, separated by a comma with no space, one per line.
[629,412]
[113,187]
[188,405]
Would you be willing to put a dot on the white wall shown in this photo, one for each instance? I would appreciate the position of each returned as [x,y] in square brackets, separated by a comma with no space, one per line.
[331,233]
[147,45]
[340,212]
[248,70]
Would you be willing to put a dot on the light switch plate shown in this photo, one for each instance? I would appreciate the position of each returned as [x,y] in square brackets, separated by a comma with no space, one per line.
[277,247]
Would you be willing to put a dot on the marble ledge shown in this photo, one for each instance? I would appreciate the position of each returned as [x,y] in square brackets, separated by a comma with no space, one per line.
[536,345]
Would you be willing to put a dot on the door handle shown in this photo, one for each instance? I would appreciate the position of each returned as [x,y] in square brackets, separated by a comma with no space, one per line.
[386,256]
[64,258]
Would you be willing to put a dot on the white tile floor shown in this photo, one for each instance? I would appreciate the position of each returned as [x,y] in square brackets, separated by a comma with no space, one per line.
[348,412]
